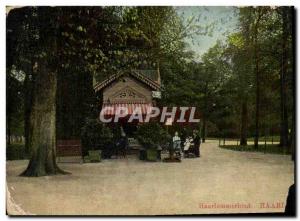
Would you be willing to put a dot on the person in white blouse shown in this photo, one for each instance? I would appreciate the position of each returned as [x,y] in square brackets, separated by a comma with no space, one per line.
[176,143]
[187,145]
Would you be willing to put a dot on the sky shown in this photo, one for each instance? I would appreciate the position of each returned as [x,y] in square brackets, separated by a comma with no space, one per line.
[224,20]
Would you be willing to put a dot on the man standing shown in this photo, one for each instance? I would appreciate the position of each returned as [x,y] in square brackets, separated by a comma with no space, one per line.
[197,142]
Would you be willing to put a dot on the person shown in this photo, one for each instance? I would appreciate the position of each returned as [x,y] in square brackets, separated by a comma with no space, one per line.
[122,144]
[188,144]
[197,142]
[290,207]
[159,149]
[176,143]
[123,134]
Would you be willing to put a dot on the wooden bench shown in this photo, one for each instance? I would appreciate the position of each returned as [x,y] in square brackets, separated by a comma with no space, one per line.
[69,150]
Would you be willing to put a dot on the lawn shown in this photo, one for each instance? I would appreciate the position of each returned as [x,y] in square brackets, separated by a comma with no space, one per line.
[250,139]
[269,148]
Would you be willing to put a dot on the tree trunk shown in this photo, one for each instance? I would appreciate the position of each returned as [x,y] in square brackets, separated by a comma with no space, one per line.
[203,130]
[283,84]
[257,76]
[292,142]
[27,109]
[42,126]
[292,137]
[257,107]
[28,87]
[244,124]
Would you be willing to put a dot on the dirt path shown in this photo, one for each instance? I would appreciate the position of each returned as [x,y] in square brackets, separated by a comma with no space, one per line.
[220,178]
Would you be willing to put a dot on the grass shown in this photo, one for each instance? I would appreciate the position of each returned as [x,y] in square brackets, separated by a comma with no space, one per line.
[269,148]
[16,151]
[250,139]
[268,139]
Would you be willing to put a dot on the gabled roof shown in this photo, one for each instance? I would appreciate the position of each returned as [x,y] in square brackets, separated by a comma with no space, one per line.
[134,73]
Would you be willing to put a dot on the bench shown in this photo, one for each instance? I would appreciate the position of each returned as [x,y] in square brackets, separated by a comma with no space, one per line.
[69,150]
[133,143]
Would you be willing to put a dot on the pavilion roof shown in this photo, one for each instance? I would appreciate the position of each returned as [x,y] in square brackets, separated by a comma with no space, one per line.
[148,77]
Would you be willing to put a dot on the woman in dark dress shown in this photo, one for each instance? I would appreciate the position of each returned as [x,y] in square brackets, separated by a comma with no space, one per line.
[197,142]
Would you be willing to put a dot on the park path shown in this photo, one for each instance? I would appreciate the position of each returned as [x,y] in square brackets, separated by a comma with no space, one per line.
[132,187]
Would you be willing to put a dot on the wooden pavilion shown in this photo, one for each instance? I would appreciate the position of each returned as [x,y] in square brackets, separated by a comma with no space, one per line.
[130,89]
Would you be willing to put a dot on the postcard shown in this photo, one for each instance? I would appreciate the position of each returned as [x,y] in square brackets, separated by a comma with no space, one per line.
[150,110]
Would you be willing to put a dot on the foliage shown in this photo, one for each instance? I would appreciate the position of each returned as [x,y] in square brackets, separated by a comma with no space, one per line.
[16,152]
[254,50]
[95,42]
[152,135]
[95,135]
[15,104]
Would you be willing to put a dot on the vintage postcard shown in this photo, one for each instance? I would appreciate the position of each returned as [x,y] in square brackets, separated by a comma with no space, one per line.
[150,110]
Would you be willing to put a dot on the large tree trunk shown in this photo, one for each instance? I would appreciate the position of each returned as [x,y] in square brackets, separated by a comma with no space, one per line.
[244,124]
[42,125]
[283,83]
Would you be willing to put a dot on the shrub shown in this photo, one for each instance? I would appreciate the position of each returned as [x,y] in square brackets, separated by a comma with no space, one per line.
[116,130]
[152,135]
[16,152]
[95,135]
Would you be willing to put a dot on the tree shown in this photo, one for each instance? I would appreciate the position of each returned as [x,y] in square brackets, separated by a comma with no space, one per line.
[42,117]
[253,56]
[215,64]
[258,15]
[21,37]
[14,105]
[238,51]
[286,25]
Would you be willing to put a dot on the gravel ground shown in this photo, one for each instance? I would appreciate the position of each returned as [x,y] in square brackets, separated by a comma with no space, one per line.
[242,182]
